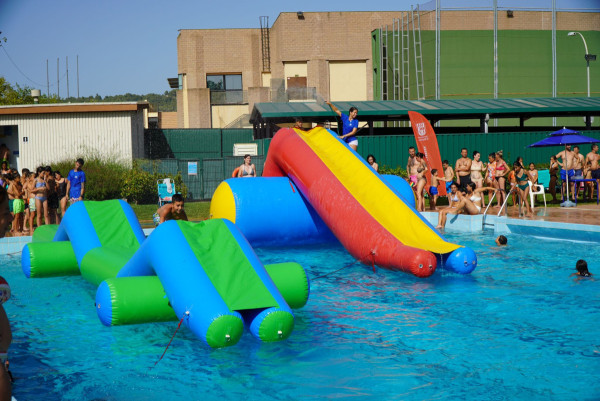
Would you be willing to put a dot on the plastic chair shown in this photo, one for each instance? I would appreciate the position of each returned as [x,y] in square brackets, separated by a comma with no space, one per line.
[539,191]
[166,190]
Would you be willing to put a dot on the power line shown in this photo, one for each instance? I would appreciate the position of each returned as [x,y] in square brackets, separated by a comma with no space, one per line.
[25,75]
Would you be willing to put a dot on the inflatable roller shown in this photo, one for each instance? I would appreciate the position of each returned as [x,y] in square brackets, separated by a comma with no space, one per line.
[271,210]
[131,300]
[44,233]
[49,259]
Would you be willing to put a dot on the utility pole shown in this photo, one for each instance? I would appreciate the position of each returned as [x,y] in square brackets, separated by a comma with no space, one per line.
[67,77]
[57,78]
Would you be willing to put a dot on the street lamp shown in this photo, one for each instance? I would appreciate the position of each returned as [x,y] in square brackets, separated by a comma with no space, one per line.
[588,57]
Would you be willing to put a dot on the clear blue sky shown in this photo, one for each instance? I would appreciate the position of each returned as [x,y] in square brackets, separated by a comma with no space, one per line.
[131,45]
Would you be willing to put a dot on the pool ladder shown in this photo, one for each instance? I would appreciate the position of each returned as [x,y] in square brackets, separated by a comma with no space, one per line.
[513,189]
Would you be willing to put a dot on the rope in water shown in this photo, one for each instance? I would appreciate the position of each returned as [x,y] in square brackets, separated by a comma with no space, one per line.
[187,313]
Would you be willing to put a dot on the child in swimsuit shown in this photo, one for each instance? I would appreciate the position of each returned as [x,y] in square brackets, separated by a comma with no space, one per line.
[433,189]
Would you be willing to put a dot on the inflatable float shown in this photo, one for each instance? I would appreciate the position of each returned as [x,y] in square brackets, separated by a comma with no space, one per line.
[205,274]
[323,182]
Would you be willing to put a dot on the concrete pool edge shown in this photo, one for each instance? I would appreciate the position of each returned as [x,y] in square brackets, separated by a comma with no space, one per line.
[508,225]
[456,223]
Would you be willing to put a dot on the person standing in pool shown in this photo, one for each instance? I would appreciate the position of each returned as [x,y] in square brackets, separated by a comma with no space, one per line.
[6,219]
[170,211]
[349,125]
[76,182]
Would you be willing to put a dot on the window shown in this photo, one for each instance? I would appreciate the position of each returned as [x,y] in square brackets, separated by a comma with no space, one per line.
[224,82]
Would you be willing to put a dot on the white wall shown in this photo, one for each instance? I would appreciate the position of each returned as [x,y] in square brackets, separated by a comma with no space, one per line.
[65,136]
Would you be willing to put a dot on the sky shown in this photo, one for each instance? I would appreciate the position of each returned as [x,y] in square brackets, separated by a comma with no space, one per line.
[131,45]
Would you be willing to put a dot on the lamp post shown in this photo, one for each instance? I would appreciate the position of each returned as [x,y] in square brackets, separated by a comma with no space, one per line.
[588,57]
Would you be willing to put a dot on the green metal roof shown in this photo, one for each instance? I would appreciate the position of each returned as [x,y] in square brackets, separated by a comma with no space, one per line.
[433,109]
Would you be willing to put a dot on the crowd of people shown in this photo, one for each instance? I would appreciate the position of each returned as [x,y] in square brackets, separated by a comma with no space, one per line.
[471,179]
[41,196]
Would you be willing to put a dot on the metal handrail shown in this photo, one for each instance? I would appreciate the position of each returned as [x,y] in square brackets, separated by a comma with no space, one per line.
[486,209]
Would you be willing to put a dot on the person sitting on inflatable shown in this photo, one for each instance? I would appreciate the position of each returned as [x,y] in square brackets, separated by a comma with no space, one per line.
[170,211]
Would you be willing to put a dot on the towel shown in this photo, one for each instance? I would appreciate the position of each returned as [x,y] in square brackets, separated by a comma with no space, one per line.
[167,182]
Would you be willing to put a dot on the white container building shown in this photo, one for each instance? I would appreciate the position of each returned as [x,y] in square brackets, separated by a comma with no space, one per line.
[39,134]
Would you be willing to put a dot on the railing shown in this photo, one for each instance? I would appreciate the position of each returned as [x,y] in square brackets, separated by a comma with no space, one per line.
[228,97]
[302,93]
[486,209]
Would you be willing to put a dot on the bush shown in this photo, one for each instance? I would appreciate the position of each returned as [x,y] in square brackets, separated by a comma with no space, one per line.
[139,184]
[399,171]
[109,179]
[104,178]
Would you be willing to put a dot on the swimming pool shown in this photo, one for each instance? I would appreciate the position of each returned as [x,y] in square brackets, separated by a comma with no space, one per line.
[517,328]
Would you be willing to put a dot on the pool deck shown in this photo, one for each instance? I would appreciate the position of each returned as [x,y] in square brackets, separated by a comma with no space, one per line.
[580,223]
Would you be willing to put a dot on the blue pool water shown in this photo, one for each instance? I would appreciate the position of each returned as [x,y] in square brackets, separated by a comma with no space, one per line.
[517,328]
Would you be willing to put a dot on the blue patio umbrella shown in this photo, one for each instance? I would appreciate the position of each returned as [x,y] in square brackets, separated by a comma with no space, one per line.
[564,137]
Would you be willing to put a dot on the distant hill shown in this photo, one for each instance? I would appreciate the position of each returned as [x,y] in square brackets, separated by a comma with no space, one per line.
[165,102]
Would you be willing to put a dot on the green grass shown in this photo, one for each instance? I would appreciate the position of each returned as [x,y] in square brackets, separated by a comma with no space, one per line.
[195,211]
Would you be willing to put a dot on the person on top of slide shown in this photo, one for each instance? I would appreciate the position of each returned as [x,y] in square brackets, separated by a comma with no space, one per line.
[349,125]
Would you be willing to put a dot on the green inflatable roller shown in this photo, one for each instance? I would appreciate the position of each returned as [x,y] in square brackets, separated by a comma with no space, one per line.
[143,299]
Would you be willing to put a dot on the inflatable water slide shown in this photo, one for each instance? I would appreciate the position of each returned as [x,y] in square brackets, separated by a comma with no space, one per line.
[325,188]
[205,274]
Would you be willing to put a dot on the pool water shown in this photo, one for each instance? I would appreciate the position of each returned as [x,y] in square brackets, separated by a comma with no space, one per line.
[517,328]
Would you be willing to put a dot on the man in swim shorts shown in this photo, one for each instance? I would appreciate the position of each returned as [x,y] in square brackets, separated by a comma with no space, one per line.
[170,211]
[594,159]
[412,165]
[448,175]
[463,170]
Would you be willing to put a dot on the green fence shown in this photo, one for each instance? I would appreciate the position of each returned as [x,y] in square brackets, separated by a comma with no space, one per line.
[212,150]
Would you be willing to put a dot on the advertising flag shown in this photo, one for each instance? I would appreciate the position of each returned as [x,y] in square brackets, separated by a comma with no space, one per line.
[428,145]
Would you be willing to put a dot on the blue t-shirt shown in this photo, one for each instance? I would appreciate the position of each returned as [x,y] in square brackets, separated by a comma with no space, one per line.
[75,178]
[348,126]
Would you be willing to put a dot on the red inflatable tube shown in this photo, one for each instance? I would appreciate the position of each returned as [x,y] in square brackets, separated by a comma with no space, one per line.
[363,237]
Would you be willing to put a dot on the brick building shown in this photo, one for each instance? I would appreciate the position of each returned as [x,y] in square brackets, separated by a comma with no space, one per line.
[330,55]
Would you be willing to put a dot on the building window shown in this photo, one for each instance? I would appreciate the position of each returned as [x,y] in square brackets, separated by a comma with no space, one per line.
[225,89]
[224,82]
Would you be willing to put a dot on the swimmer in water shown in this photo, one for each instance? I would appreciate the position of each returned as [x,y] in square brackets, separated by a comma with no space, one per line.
[501,240]
[582,269]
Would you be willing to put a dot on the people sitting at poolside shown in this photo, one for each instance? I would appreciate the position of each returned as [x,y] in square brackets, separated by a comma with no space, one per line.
[454,197]
[170,211]
[501,240]
[469,203]
[582,269]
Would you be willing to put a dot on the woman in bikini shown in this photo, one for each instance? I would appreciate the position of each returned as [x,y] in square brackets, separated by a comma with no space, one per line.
[247,169]
[522,179]
[490,174]
[421,181]
[454,198]
[501,171]
[41,196]
[477,168]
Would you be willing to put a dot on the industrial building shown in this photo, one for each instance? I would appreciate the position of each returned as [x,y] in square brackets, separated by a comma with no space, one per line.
[395,55]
